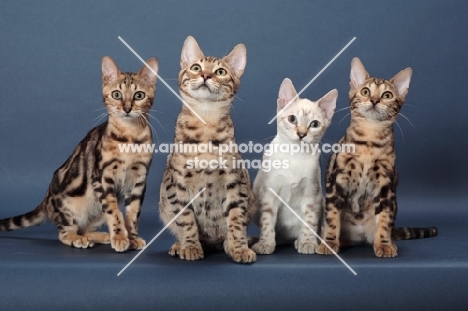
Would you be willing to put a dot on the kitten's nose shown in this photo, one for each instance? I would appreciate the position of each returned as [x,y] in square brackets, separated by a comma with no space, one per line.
[127,109]
[206,76]
[301,135]
[374,101]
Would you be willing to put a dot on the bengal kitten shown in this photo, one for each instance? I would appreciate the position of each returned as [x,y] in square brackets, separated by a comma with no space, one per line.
[361,186]
[221,213]
[301,125]
[86,190]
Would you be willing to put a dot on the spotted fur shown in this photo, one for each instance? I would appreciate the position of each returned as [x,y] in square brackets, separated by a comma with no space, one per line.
[86,190]
[222,212]
[299,181]
[361,186]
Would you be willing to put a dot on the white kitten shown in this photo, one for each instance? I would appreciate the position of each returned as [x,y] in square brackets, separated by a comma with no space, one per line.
[303,123]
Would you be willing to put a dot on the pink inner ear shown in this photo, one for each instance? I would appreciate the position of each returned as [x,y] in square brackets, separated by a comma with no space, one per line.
[110,71]
[358,73]
[191,52]
[148,74]
[402,81]
[328,103]
[286,93]
[237,59]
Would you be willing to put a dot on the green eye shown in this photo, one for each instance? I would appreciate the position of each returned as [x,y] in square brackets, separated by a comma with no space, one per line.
[315,124]
[221,72]
[387,95]
[196,68]
[365,92]
[292,119]
[139,95]
[116,95]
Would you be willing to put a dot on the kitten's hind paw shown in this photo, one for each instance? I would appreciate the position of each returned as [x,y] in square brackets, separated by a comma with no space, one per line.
[305,247]
[263,248]
[385,250]
[324,250]
[82,242]
[75,240]
[99,237]
[120,243]
[137,243]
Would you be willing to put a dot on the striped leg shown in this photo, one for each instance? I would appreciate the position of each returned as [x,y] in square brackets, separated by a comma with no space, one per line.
[269,213]
[307,242]
[235,207]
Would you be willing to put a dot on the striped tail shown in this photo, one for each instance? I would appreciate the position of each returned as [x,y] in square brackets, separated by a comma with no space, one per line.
[413,233]
[32,218]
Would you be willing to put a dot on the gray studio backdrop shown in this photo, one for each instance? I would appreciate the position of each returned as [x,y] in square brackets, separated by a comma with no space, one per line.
[50,54]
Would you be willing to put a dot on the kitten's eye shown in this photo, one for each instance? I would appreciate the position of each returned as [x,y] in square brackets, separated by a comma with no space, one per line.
[292,119]
[196,68]
[387,95]
[220,72]
[116,95]
[315,124]
[139,95]
[365,92]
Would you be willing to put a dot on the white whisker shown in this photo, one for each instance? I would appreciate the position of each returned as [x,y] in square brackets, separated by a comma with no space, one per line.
[406,118]
[100,117]
[145,120]
[157,121]
[348,114]
[342,109]
[395,121]
[269,137]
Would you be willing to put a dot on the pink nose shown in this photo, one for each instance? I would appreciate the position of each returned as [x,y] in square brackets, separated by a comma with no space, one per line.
[301,135]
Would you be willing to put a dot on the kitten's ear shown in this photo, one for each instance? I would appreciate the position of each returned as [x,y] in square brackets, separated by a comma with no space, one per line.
[401,81]
[358,74]
[110,71]
[190,52]
[237,59]
[287,93]
[149,75]
[328,103]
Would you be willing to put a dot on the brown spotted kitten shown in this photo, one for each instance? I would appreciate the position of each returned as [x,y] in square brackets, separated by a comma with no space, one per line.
[86,190]
[221,213]
[361,186]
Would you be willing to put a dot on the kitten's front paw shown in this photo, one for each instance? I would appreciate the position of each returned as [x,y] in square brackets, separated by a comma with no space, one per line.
[239,253]
[305,247]
[324,250]
[137,243]
[385,250]
[191,253]
[245,255]
[186,253]
[120,243]
[263,248]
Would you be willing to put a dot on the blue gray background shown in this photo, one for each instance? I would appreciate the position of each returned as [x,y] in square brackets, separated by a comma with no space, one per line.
[50,60]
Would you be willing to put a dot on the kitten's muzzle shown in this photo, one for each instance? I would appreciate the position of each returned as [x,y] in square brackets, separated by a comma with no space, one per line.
[375,101]
[301,133]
